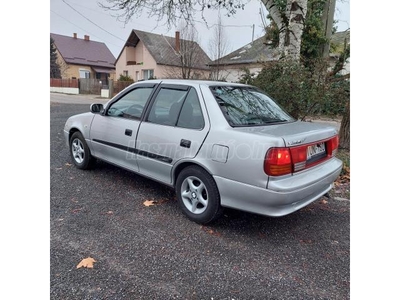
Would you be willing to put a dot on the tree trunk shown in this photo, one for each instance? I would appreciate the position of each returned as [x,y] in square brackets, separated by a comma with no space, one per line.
[344,132]
[290,24]
[327,20]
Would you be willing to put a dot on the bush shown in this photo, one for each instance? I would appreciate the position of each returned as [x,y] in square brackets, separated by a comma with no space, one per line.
[125,78]
[302,91]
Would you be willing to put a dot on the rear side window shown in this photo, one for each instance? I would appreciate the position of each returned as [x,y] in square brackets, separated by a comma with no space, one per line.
[179,108]
[167,106]
[191,115]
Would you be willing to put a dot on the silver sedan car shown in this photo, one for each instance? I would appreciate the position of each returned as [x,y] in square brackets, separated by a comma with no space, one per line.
[217,144]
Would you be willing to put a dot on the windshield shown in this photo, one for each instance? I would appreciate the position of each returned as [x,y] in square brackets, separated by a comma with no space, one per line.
[247,106]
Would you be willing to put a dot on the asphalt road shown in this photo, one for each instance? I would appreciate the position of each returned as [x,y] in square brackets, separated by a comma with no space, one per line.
[156,253]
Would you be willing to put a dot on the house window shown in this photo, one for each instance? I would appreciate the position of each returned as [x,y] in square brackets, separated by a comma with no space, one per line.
[148,74]
[125,72]
[83,73]
[137,75]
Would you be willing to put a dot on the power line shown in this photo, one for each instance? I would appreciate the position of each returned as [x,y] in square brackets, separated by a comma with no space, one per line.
[81,28]
[92,21]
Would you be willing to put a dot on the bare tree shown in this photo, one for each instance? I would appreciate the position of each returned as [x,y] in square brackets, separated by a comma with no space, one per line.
[191,56]
[218,47]
[288,15]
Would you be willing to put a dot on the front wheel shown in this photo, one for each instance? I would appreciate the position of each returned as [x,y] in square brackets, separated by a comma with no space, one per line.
[198,195]
[80,152]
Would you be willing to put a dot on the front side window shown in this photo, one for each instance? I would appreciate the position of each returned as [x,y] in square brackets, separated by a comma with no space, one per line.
[131,105]
[246,106]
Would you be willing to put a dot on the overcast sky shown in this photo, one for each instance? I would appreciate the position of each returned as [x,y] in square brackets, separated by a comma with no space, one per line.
[87,18]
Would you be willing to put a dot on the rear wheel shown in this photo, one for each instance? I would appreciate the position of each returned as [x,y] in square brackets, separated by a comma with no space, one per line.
[198,195]
[80,152]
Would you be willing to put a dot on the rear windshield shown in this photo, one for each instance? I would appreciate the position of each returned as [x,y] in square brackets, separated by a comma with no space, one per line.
[247,106]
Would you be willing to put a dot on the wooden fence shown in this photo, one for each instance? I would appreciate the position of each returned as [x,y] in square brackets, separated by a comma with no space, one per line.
[58,82]
[88,85]
[120,85]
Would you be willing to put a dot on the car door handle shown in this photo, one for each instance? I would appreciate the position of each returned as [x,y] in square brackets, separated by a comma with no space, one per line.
[128,132]
[185,143]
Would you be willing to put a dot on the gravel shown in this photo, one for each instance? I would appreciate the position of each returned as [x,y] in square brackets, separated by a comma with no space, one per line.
[156,253]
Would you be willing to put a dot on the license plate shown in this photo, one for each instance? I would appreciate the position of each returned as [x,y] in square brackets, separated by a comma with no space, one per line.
[315,150]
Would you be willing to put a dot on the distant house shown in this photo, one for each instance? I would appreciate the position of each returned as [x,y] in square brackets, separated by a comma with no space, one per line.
[251,56]
[148,55]
[83,58]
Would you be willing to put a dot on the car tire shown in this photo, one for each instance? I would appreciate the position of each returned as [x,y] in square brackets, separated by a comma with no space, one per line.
[80,152]
[198,195]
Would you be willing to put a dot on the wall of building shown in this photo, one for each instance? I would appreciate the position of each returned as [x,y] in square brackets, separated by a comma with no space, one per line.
[145,61]
[233,73]
[176,72]
[69,71]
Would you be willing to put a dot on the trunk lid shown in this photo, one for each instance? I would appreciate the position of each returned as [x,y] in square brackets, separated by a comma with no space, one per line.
[295,133]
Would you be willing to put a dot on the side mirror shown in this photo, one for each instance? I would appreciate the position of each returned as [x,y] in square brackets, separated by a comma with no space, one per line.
[96,108]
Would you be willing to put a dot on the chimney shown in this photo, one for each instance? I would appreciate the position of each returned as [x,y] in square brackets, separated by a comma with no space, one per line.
[75,36]
[86,37]
[177,42]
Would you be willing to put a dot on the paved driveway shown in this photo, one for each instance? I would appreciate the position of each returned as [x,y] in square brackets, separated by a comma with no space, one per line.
[156,253]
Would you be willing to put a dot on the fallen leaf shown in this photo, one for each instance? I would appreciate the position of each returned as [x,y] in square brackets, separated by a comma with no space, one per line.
[149,202]
[210,231]
[86,263]
[262,235]
[58,169]
[306,241]
[323,201]
[110,212]
[68,164]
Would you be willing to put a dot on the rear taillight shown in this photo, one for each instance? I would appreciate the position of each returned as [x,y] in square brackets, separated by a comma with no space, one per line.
[334,144]
[278,162]
[283,161]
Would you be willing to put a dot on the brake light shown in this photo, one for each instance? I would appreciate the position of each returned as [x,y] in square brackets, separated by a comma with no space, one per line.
[334,145]
[278,162]
[283,161]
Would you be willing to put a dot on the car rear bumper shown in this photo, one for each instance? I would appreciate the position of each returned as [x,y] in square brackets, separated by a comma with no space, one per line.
[282,196]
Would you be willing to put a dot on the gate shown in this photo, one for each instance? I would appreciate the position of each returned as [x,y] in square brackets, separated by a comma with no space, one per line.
[90,86]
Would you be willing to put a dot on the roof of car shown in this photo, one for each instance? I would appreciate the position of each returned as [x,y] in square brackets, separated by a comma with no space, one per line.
[195,82]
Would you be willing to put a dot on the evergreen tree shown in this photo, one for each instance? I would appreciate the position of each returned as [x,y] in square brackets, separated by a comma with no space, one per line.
[54,67]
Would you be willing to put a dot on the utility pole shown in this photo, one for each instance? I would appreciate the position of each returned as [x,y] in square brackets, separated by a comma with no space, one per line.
[327,19]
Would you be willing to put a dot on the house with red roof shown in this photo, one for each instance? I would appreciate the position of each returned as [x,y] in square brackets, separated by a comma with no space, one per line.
[83,58]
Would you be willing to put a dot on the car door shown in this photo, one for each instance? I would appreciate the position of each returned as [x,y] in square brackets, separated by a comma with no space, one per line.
[113,133]
[174,128]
